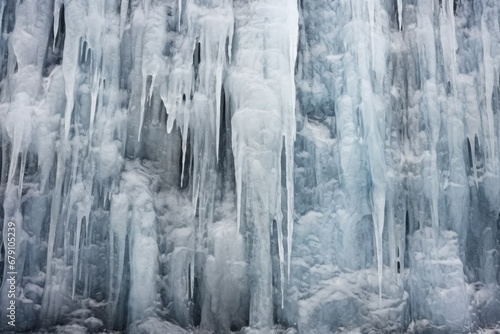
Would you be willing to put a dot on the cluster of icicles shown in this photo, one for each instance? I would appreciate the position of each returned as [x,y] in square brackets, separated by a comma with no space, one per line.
[120,60]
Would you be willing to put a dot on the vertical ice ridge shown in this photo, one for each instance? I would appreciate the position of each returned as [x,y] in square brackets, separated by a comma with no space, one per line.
[488,87]
[239,176]
[152,60]
[93,101]
[73,13]
[123,15]
[143,105]
[179,14]
[289,189]
[373,113]
[2,9]
[371,20]
[83,208]
[57,11]
[431,115]
[30,34]
[290,124]
[400,14]
[54,216]
[281,250]
[142,245]
[218,89]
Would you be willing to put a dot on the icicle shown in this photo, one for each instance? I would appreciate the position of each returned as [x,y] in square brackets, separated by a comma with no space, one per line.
[143,102]
[453,39]
[179,8]
[230,38]
[3,170]
[93,103]
[289,189]
[393,238]
[279,227]
[400,14]
[21,173]
[238,170]
[192,269]
[378,199]
[371,13]
[184,149]
[54,217]
[76,252]
[474,162]
[185,133]
[289,132]
[57,13]
[18,128]
[434,195]
[112,291]
[218,87]
[118,230]
[72,13]
[196,188]
[75,165]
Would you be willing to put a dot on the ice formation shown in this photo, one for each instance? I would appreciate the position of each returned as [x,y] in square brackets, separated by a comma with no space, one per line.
[252,166]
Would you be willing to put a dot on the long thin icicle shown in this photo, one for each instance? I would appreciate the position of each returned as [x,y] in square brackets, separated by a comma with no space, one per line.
[57,12]
[400,14]
[293,22]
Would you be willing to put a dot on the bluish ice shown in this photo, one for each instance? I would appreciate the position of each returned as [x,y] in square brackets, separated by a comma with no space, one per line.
[251,166]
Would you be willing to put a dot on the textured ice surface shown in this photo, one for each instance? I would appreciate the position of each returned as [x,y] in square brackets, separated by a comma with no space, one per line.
[251,166]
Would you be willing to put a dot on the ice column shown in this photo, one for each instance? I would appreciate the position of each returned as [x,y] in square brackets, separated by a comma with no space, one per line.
[90,147]
[366,42]
[143,246]
[263,95]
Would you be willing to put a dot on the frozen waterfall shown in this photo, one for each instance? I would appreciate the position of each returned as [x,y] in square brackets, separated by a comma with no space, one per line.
[250,166]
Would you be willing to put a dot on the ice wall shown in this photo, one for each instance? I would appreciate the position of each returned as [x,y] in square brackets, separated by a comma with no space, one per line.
[255,166]
[393,103]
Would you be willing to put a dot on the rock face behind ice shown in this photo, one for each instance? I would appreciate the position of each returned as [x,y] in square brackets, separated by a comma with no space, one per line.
[260,166]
